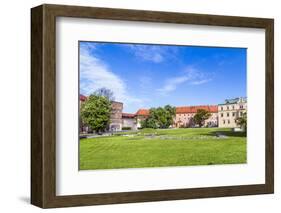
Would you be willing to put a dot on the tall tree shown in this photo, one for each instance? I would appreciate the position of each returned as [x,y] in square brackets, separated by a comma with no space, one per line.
[105,93]
[95,112]
[200,116]
[170,115]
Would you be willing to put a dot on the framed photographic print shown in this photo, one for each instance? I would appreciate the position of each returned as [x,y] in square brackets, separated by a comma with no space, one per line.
[136,106]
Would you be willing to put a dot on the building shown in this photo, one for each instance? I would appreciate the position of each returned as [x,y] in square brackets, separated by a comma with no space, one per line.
[141,115]
[82,127]
[116,116]
[129,121]
[185,114]
[82,99]
[229,111]
[222,115]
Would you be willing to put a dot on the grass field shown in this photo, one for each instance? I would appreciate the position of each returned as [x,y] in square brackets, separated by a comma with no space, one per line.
[163,148]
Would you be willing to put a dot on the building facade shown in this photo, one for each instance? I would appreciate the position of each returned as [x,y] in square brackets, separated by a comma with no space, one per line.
[116,116]
[185,114]
[229,111]
[141,115]
[129,121]
[83,128]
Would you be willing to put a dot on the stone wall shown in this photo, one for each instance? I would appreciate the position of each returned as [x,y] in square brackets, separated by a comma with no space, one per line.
[116,116]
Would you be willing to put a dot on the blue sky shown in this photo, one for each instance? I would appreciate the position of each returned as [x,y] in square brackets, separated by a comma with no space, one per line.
[144,76]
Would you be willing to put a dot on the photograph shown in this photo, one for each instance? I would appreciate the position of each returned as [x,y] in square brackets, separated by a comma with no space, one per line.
[155,105]
[150,105]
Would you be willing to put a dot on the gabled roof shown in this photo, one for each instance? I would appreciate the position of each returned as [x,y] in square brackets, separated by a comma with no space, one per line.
[144,112]
[193,109]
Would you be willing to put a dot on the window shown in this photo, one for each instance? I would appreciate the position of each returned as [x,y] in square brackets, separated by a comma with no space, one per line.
[241,106]
[233,107]
[221,114]
[223,121]
[233,114]
[227,114]
[228,121]
[221,108]
[241,113]
[227,107]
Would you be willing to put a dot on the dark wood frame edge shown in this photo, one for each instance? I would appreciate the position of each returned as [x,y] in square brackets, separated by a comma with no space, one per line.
[43,105]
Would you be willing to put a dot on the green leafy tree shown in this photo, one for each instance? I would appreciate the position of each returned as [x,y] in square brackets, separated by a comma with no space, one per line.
[149,123]
[95,112]
[170,115]
[242,121]
[200,116]
[161,117]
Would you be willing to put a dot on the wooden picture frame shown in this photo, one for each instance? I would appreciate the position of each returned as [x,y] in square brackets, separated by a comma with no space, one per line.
[43,105]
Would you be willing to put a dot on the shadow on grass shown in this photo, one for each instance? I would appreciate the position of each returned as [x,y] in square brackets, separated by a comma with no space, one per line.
[228,133]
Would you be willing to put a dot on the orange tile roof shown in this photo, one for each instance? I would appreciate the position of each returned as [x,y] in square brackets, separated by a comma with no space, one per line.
[128,115]
[144,112]
[193,109]
[184,109]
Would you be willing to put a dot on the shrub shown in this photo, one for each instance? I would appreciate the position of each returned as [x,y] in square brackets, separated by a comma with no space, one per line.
[126,128]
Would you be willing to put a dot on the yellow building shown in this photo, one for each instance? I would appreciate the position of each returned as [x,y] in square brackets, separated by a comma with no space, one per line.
[229,111]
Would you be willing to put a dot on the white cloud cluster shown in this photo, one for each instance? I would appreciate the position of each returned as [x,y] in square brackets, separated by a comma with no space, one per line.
[95,74]
[153,53]
[190,76]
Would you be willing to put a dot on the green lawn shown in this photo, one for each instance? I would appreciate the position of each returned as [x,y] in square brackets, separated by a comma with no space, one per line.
[159,148]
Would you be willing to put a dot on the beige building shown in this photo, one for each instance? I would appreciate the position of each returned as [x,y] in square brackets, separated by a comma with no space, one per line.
[141,115]
[129,121]
[185,114]
[230,111]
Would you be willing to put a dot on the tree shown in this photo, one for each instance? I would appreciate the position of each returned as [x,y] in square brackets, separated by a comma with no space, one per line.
[242,121]
[105,93]
[95,112]
[200,116]
[161,117]
[170,115]
[149,123]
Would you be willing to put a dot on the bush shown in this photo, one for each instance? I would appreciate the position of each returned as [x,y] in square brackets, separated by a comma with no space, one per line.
[126,128]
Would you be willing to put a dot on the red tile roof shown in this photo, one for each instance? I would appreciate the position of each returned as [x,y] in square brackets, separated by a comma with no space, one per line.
[184,109]
[83,98]
[193,109]
[144,112]
[128,115]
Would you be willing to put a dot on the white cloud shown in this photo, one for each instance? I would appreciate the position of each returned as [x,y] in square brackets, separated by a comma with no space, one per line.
[95,74]
[201,81]
[153,53]
[190,76]
[172,84]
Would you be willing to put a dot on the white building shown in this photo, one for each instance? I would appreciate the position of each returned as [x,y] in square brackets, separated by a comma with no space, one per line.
[229,111]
